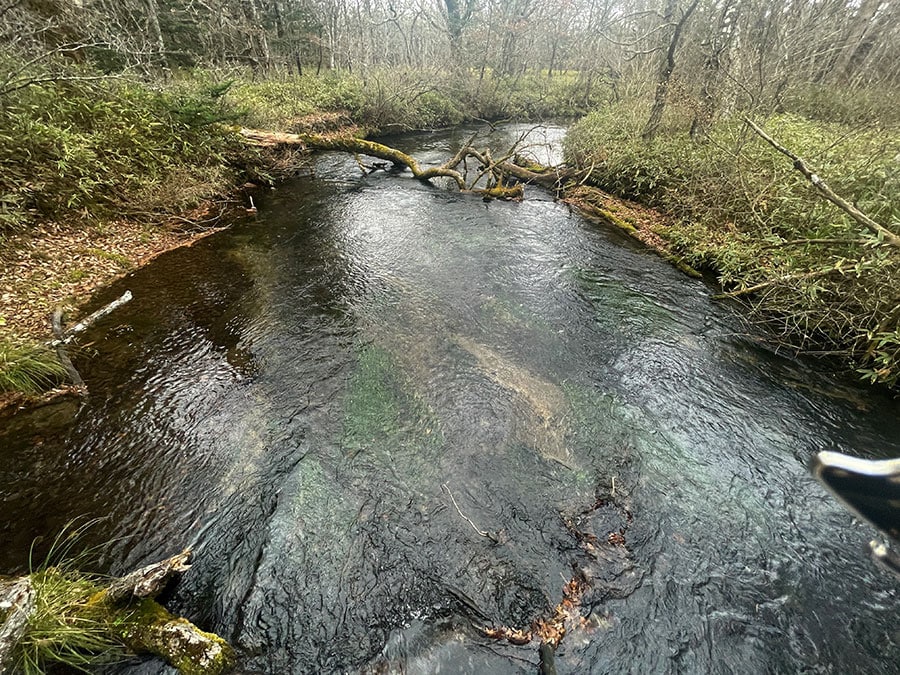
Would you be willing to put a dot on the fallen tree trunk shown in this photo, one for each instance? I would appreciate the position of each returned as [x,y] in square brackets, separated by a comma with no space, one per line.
[355,145]
[123,613]
[505,178]
[498,170]
[147,582]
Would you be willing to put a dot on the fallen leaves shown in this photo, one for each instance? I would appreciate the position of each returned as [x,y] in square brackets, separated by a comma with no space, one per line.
[552,629]
[54,265]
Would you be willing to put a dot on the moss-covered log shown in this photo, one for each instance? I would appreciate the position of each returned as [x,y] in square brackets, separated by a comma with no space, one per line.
[548,178]
[58,615]
[147,627]
[351,144]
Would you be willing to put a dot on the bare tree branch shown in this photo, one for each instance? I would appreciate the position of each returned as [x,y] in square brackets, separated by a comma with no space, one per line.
[827,193]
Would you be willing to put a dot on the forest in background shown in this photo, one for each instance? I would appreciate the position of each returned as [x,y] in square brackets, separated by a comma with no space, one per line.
[127,109]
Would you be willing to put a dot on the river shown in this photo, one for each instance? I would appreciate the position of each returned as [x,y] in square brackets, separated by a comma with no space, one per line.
[385,414]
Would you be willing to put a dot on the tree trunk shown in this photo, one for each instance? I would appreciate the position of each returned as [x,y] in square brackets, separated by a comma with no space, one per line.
[156,35]
[662,86]
[856,46]
[719,50]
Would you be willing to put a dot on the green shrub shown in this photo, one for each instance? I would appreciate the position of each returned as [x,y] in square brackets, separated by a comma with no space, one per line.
[745,213]
[387,100]
[862,105]
[276,103]
[86,146]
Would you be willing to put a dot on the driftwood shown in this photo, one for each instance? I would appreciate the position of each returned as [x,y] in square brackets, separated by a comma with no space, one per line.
[147,582]
[61,352]
[827,193]
[128,613]
[62,337]
[69,334]
[497,171]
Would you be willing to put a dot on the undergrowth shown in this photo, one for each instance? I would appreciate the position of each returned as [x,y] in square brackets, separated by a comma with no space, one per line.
[94,149]
[112,147]
[400,100]
[825,284]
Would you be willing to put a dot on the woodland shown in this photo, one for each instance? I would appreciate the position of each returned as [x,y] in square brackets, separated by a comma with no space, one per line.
[763,138]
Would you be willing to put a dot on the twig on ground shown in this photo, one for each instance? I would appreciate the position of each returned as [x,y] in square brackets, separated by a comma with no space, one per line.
[481,532]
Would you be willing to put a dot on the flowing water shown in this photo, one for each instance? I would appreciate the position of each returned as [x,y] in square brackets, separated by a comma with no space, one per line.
[385,414]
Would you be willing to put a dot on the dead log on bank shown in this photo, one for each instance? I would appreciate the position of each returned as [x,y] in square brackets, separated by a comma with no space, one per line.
[124,611]
[69,334]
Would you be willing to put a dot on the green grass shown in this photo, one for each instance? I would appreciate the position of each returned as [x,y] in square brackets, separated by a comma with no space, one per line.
[65,628]
[28,368]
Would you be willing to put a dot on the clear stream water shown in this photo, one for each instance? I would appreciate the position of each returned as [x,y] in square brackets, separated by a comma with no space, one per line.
[303,398]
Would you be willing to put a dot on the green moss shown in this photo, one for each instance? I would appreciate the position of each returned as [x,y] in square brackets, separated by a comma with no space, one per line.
[193,663]
[73,624]
[148,626]
[501,191]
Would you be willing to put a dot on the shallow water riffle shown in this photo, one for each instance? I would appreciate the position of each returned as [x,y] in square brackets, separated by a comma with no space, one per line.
[386,415]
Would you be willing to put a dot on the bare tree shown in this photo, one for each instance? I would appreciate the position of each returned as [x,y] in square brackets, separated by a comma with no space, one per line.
[673,32]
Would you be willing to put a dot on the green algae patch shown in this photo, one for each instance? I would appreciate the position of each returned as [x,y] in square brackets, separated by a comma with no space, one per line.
[387,423]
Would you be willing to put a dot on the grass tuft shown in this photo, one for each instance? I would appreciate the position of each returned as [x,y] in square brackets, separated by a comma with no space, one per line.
[28,368]
[65,628]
